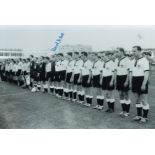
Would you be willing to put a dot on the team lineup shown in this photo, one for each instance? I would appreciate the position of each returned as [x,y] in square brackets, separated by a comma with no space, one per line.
[83,76]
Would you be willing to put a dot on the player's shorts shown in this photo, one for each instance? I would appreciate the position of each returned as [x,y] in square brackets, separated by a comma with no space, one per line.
[31,74]
[68,77]
[62,75]
[57,76]
[76,77]
[96,81]
[120,80]
[6,73]
[52,78]
[18,73]
[42,77]
[85,81]
[10,72]
[137,83]
[37,77]
[106,83]
[48,76]
[13,73]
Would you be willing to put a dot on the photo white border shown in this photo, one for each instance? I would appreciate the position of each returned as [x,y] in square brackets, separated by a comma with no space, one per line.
[70,12]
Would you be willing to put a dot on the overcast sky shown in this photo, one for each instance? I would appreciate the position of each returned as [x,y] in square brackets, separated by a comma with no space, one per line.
[99,37]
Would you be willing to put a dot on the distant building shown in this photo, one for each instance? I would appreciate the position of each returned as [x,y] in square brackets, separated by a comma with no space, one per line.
[36,53]
[20,53]
[11,53]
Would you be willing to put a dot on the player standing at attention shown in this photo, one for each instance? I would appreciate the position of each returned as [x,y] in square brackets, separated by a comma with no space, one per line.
[57,74]
[96,73]
[68,92]
[63,67]
[52,86]
[108,79]
[139,84]
[86,79]
[44,87]
[31,70]
[35,77]
[48,73]
[76,77]
[122,81]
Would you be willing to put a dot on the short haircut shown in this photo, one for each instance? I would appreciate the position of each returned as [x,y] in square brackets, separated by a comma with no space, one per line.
[138,48]
[84,53]
[60,54]
[109,53]
[147,53]
[77,53]
[121,49]
[24,60]
[32,56]
[70,53]
[47,58]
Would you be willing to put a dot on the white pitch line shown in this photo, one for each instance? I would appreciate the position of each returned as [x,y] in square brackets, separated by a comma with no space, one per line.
[13,94]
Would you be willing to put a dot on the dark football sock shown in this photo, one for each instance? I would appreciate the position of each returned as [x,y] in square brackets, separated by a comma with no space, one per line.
[51,89]
[74,95]
[122,102]
[60,92]
[56,91]
[127,108]
[101,102]
[71,94]
[139,109]
[90,100]
[127,105]
[145,111]
[112,105]
[79,96]
[82,97]
[87,99]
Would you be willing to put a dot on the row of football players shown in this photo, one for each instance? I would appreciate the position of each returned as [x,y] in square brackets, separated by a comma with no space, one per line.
[73,76]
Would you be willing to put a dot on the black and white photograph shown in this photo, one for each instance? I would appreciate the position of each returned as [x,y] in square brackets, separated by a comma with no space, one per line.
[77,77]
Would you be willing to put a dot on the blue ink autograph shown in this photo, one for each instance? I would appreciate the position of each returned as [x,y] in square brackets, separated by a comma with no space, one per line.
[57,42]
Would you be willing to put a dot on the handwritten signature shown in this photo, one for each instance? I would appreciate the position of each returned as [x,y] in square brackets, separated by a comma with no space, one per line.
[57,42]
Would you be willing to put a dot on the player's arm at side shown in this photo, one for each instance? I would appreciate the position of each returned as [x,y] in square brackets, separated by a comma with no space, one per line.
[146,74]
[113,75]
[131,66]
[112,79]
[90,75]
[72,76]
[66,65]
[80,76]
[127,78]
[90,72]
[127,81]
